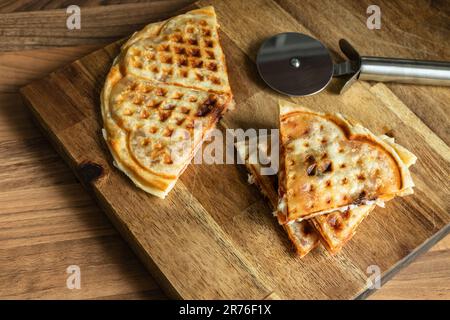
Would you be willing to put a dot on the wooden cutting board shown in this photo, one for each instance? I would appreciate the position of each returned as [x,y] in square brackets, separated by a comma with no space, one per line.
[214,236]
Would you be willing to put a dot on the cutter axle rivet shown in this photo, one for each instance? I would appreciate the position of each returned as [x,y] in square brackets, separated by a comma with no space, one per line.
[295,62]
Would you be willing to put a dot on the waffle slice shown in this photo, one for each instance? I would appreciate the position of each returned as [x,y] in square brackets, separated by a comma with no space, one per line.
[183,50]
[154,124]
[302,234]
[337,228]
[333,163]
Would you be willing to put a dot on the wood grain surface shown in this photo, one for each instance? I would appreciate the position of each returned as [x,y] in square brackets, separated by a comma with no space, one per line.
[48,222]
[99,25]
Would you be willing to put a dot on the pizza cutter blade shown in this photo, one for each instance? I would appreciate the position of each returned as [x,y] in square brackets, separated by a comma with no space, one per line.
[294,64]
[298,65]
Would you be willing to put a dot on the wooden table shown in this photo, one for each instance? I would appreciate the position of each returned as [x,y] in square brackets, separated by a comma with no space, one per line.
[48,222]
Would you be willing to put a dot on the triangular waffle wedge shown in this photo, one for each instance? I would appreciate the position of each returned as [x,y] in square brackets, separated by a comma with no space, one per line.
[337,228]
[153,125]
[332,163]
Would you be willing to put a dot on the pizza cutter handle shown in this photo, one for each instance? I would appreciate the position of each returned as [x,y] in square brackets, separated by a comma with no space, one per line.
[405,71]
[391,69]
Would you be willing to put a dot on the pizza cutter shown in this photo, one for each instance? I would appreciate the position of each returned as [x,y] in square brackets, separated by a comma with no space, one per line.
[298,65]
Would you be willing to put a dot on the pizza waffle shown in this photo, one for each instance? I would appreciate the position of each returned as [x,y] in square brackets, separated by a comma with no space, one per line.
[155,120]
[333,163]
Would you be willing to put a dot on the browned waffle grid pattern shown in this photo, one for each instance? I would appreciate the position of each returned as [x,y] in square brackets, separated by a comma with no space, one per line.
[192,58]
[142,106]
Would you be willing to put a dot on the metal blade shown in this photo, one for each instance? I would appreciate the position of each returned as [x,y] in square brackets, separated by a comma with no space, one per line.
[294,64]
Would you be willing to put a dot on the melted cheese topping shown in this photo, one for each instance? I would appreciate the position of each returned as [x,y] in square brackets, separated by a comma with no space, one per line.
[343,209]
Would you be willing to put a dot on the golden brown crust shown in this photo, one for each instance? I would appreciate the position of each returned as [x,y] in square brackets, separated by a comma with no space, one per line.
[332,163]
[303,236]
[337,228]
[185,51]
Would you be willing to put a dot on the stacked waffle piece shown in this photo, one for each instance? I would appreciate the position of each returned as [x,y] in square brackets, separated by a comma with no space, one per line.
[332,173]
